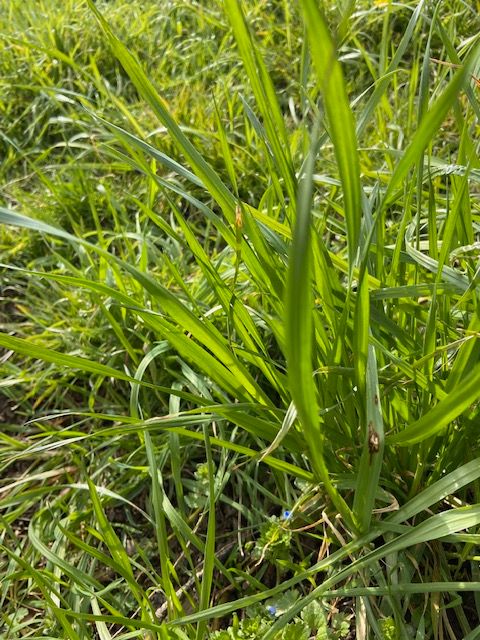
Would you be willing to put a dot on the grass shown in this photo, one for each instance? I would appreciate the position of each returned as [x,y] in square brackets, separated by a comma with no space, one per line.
[239,320]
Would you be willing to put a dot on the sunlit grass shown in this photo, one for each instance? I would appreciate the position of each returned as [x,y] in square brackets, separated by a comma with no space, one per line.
[240,322]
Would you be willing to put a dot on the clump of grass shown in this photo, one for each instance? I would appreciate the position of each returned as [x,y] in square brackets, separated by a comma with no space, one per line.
[247,405]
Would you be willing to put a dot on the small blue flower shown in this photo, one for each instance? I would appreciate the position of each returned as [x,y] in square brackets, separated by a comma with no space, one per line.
[286,515]
[272,609]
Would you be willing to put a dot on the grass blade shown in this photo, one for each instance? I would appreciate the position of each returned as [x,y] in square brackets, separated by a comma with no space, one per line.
[445,412]
[200,166]
[340,120]
[428,127]
[207,577]
[265,95]
[299,329]
[27,348]
[372,454]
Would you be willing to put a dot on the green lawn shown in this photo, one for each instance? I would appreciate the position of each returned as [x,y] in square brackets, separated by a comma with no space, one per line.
[239,320]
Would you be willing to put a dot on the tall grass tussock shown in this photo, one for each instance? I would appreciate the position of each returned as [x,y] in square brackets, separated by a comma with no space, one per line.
[239,320]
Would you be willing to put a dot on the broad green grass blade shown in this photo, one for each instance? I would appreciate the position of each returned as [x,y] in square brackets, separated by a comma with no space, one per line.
[467,356]
[299,329]
[372,454]
[440,489]
[444,413]
[361,330]
[340,120]
[428,127]
[31,350]
[130,140]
